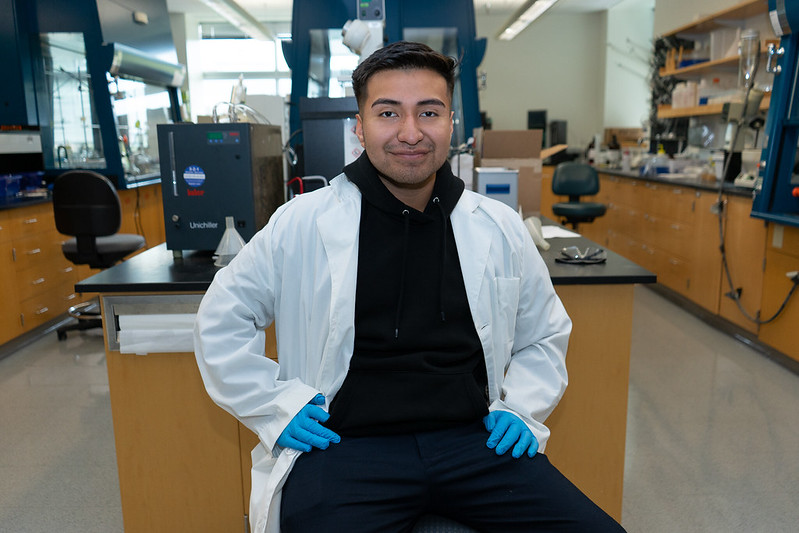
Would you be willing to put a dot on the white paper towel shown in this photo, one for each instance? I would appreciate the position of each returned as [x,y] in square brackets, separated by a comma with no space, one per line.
[156,333]
[144,341]
[157,321]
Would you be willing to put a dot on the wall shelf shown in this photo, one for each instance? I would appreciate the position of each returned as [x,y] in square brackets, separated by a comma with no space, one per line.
[666,111]
[722,19]
[729,62]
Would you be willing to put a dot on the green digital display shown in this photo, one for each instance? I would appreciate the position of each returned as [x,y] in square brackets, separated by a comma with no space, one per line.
[214,135]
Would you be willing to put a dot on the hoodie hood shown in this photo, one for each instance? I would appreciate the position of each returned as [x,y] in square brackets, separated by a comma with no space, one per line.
[447,188]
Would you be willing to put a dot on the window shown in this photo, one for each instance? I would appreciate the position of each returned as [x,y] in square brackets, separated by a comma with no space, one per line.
[223,54]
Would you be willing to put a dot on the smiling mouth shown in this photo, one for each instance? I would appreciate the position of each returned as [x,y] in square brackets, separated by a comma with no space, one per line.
[409,154]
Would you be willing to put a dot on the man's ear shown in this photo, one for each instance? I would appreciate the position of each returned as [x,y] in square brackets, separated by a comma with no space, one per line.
[359,128]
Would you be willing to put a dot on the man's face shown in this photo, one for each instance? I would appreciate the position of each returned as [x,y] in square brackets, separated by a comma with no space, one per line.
[405,125]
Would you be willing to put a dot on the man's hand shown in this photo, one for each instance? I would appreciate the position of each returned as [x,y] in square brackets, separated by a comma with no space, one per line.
[508,430]
[305,432]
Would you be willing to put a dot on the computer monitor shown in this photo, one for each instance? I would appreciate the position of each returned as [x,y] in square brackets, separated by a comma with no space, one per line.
[537,120]
[557,132]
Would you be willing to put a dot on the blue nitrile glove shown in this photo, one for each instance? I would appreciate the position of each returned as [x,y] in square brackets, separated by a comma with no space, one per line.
[508,430]
[305,431]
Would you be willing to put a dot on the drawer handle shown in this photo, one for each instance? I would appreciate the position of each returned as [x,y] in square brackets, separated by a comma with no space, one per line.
[67,270]
[71,297]
[38,281]
[674,262]
[42,311]
[675,226]
[30,221]
[33,252]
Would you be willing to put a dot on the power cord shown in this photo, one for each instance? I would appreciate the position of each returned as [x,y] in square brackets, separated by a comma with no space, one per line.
[735,293]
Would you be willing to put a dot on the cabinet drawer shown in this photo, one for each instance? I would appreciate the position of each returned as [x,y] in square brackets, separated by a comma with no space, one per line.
[628,247]
[670,201]
[632,222]
[622,191]
[41,279]
[668,235]
[45,307]
[32,220]
[673,272]
[38,250]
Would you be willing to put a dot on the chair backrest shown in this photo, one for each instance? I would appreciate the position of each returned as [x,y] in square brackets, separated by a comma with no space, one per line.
[575,179]
[86,203]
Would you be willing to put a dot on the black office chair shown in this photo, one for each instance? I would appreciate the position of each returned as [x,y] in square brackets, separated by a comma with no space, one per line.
[574,179]
[86,206]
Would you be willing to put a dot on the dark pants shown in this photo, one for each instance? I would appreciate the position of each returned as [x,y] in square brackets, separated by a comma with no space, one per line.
[384,484]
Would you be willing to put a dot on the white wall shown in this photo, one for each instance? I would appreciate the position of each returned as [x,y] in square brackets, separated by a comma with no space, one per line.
[671,14]
[589,69]
[629,45]
[557,64]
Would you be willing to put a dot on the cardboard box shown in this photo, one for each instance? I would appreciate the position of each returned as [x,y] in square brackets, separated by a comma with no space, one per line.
[515,149]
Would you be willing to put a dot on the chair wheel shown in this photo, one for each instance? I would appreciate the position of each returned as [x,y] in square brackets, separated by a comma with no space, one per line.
[62,335]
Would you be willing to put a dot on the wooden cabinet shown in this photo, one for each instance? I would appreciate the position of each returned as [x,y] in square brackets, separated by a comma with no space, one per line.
[143,213]
[10,325]
[36,280]
[745,245]
[674,231]
[782,256]
[184,463]
[42,278]
[667,229]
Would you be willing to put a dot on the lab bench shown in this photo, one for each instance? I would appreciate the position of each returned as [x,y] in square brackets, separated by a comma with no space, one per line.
[670,227]
[184,463]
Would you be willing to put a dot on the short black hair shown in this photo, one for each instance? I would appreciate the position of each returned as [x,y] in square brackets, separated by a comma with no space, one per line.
[402,55]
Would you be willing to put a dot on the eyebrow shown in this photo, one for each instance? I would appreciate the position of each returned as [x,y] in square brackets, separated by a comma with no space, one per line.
[388,101]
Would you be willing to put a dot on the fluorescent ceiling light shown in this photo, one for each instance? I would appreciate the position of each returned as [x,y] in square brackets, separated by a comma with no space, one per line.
[239,17]
[527,13]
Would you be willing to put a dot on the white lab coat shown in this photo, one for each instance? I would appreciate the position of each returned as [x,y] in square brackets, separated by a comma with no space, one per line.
[300,271]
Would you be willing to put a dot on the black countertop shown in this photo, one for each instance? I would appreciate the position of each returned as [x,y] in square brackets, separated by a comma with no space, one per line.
[695,183]
[14,202]
[155,270]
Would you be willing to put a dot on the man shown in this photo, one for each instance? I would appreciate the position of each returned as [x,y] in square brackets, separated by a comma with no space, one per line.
[419,314]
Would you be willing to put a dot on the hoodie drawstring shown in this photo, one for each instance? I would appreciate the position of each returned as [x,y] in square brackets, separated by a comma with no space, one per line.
[444,218]
[406,218]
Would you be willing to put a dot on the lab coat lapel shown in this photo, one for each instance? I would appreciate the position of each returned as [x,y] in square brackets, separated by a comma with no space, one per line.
[473,239]
[338,231]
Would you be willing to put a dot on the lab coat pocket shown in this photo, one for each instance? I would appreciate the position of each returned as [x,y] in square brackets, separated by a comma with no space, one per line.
[506,303]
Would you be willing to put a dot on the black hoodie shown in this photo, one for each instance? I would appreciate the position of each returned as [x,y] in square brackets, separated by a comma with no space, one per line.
[417,364]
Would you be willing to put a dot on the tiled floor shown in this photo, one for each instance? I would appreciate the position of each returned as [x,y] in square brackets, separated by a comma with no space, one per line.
[712,446]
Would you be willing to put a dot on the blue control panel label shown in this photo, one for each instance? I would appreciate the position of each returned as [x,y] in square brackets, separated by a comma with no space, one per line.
[194,176]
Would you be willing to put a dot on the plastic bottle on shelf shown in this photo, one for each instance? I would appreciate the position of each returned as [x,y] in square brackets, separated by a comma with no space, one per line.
[703,91]
[660,163]
[699,54]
